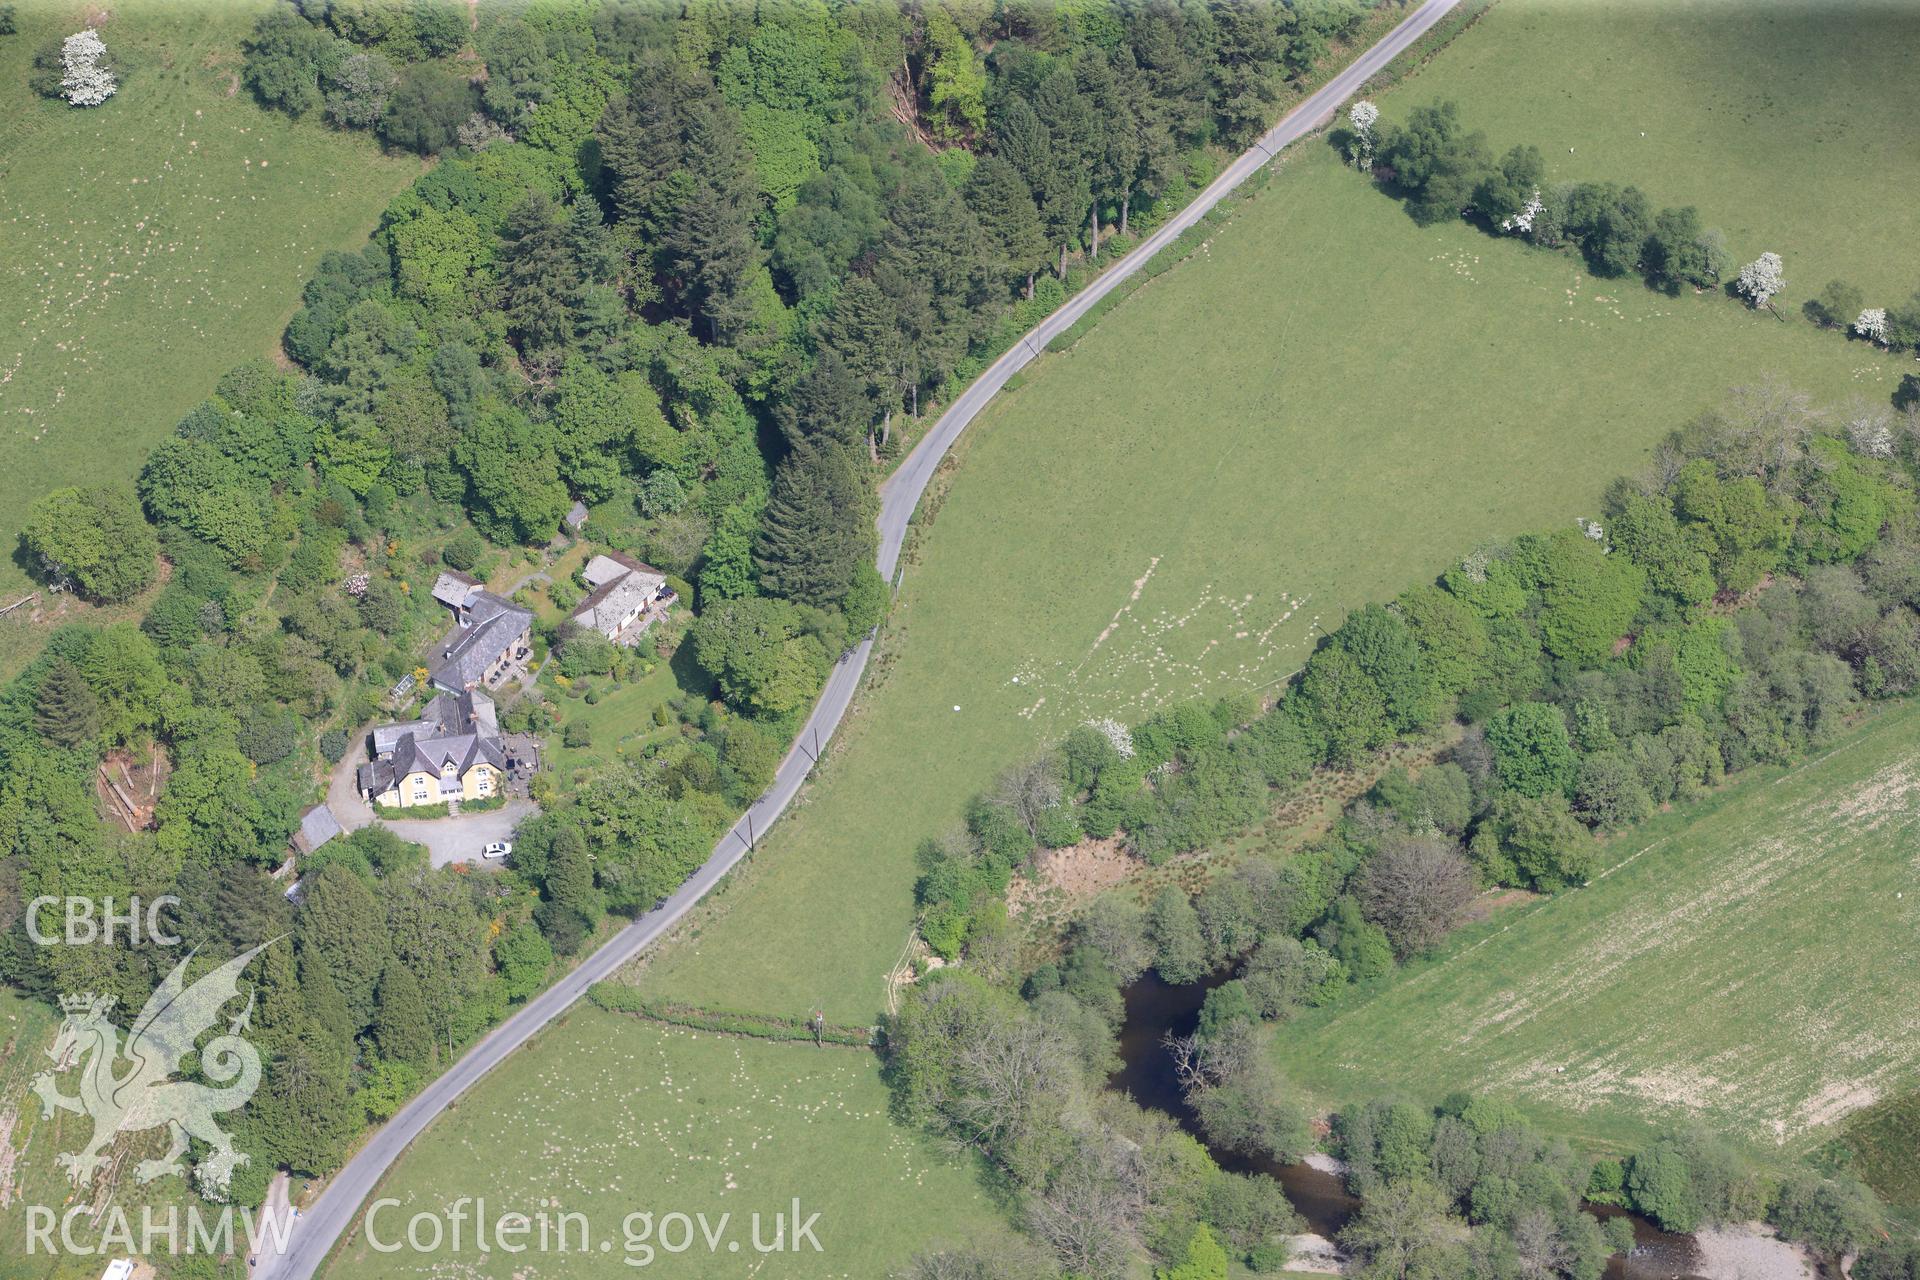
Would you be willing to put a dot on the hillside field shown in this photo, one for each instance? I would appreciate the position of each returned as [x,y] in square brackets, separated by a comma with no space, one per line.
[151,243]
[609,1115]
[1747,962]
[1324,406]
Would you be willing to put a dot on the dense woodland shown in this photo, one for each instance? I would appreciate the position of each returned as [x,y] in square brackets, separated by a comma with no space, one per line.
[1733,607]
[699,266]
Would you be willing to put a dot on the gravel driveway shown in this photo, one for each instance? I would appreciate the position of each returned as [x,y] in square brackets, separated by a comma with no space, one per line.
[462,838]
[447,839]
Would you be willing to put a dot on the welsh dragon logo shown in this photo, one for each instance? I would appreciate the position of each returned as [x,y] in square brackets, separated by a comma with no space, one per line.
[130,1089]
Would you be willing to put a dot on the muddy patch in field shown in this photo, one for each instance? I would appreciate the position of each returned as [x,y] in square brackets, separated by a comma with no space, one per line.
[1073,874]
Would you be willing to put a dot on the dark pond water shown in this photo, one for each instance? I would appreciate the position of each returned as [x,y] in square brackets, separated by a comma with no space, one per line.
[1155,1008]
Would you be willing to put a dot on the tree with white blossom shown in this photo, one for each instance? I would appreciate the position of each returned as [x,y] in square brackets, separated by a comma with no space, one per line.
[1761,279]
[1362,115]
[1870,433]
[1117,734]
[87,82]
[1872,325]
[1522,222]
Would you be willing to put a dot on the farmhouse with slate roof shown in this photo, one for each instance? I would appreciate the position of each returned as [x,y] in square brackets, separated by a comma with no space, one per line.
[489,636]
[626,598]
[452,752]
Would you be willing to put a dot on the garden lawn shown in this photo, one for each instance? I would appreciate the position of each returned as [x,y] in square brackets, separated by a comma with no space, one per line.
[151,243]
[622,722]
[610,1115]
[1747,962]
[1322,407]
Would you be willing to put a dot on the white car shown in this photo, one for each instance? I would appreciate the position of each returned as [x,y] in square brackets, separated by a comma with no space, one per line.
[498,849]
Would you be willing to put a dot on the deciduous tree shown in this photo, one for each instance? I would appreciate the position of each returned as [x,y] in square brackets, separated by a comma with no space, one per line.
[1762,278]
[94,538]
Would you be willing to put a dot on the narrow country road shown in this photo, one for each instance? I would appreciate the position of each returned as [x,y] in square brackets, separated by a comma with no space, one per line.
[331,1215]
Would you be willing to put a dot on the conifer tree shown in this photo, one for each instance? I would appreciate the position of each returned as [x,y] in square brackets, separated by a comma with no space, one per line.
[538,279]
[999,198]
[827,402]
[640,144]
[710,251]
[66,712]
[573,904]
[1247,54]
[304,1114]
[932,266]
[1073,138]
[863,329]
[325,1004]
[342,928]
[818,528]
[598,309]
[1115,153]
[400,1027]
[280,1014]
[1026,143]
[1021,140]
[1157,160]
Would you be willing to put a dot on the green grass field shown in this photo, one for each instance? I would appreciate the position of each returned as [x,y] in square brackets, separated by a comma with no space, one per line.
[609,1115]
[151,243]
[1769,115]
[621,723]
[1323,407]
[1747,962]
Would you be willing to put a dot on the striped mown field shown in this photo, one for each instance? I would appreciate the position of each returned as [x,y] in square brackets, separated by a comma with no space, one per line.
[1749,961]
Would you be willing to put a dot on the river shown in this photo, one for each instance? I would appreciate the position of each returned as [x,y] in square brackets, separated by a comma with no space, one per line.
[1322,1200]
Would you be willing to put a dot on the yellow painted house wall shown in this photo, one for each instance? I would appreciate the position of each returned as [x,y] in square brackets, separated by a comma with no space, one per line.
[469,785]
[402,796]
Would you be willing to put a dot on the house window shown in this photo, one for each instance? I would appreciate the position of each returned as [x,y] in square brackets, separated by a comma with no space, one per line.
[419,791]
[484,783]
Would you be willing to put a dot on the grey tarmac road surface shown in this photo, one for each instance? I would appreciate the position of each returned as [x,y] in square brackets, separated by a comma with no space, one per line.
[328,1219]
